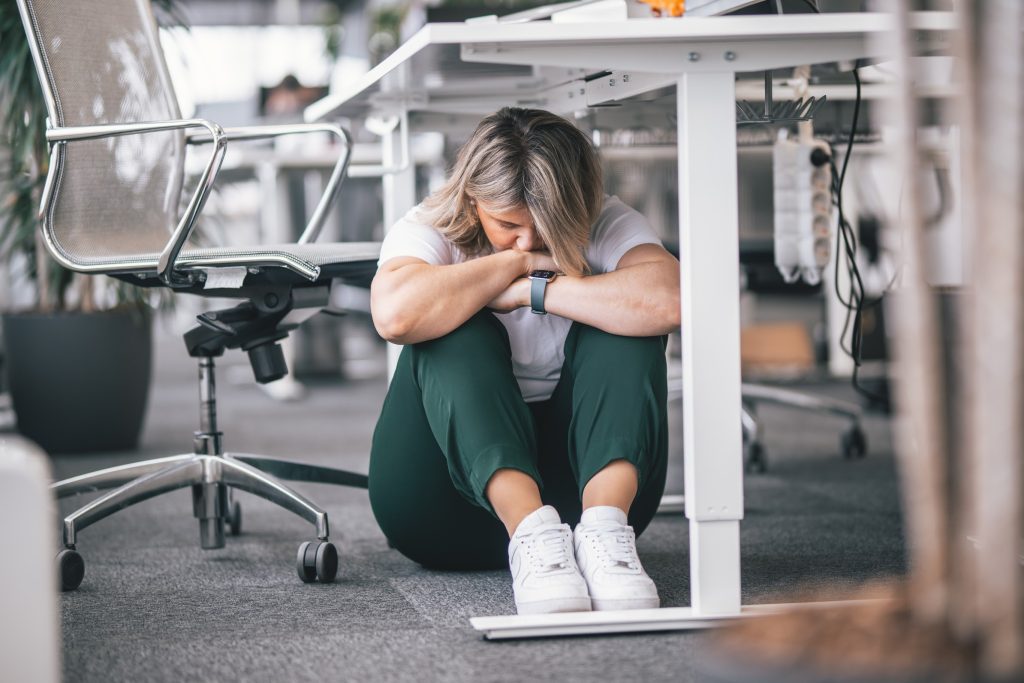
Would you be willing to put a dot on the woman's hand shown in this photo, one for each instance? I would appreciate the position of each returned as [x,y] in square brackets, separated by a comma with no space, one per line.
[540,260]
[516,295]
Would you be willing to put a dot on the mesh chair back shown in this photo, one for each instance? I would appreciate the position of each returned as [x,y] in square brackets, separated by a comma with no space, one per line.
[100,62]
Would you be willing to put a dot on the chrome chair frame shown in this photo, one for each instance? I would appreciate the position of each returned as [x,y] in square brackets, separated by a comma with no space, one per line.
[170,266]
[273,309]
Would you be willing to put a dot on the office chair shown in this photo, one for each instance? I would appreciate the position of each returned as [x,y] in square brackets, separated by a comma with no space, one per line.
[110,206]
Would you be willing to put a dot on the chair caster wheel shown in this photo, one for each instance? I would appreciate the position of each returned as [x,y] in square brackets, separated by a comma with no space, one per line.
[853,444]
[234,519]
[71,569]
[317,562]
[756,461]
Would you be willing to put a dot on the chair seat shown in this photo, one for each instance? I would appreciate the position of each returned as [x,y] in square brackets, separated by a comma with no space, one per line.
[318,254]
[352,262]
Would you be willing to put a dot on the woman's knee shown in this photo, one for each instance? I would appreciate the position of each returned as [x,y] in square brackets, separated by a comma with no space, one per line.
[476,354]
[616,355]
[481,332]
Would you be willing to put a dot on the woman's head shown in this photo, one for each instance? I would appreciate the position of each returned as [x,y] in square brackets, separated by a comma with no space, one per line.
[526,179]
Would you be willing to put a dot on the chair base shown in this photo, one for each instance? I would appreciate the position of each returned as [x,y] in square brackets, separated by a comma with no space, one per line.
[211,478]
[852,441]
[210,472]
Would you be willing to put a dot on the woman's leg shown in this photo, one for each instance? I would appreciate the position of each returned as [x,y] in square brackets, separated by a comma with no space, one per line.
[513,495]
[453,418]
[615,485]
[613,393]
[551,419]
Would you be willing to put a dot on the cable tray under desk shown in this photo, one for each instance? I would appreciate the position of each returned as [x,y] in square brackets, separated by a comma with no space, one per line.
[791,111]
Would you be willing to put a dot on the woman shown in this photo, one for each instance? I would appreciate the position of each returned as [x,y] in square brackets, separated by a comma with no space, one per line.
[531,389]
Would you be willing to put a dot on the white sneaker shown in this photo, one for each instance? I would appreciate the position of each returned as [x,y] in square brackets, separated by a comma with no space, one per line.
[545,577]
[606,554]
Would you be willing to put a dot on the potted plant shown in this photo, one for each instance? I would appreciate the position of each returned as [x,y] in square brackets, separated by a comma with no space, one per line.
[78,347]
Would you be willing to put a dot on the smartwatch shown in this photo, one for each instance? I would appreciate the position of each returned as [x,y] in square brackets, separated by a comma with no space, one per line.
[539,280]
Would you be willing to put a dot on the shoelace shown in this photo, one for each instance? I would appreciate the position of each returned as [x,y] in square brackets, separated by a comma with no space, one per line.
[549,550]
[618,546]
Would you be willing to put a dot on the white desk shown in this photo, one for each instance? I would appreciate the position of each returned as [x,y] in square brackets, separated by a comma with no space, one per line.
[450,74]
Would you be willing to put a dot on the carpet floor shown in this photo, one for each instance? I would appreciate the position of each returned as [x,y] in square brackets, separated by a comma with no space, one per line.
[155,607]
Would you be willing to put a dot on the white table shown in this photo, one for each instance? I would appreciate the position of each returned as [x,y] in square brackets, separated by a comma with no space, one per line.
[451,74]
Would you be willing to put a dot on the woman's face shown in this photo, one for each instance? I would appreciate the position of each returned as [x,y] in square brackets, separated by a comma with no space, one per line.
[511,229]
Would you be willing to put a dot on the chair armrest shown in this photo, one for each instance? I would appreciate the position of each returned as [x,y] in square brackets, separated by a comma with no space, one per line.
[169,255]
[316,221]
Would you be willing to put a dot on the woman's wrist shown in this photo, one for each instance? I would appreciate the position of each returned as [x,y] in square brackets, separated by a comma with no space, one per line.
[528,263]
[524,291]
[520,260]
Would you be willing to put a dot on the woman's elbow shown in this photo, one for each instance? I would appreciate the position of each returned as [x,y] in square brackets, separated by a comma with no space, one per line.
[390,316]
[671,313]
[392,326]
[670,298]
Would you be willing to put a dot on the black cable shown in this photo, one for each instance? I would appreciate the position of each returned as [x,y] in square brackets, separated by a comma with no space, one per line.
[853,127]
[846,246]
[846,256]
[838,182]
[854,304]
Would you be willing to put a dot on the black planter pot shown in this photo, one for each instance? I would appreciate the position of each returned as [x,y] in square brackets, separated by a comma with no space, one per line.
[79,381]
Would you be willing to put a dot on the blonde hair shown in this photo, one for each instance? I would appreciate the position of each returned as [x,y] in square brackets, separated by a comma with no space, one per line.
[523,158]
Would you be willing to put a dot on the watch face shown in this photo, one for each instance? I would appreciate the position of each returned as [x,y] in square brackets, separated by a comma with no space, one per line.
[542,275]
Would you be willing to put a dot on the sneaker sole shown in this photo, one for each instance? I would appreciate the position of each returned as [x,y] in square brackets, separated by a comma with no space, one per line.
[625,603]
[554,606]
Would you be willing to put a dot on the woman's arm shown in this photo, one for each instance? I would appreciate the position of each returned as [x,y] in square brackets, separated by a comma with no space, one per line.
[640,298]
[412,301]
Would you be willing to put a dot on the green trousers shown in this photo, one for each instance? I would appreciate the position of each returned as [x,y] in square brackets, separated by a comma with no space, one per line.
[454,415]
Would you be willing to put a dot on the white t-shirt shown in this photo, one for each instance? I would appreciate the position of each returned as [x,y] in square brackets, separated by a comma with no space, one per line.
[537,341]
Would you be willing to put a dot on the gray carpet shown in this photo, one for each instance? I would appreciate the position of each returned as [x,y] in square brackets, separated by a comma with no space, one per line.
[154,606]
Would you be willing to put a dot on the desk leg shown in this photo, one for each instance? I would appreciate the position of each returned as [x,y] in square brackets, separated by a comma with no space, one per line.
[709,258]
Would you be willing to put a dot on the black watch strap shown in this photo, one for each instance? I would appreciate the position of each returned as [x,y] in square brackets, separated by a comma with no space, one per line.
[537,287]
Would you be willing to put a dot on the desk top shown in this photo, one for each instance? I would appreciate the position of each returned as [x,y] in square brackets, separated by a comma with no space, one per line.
[443,64]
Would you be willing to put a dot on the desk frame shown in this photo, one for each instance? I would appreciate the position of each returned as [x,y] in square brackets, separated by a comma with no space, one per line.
[702,57]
